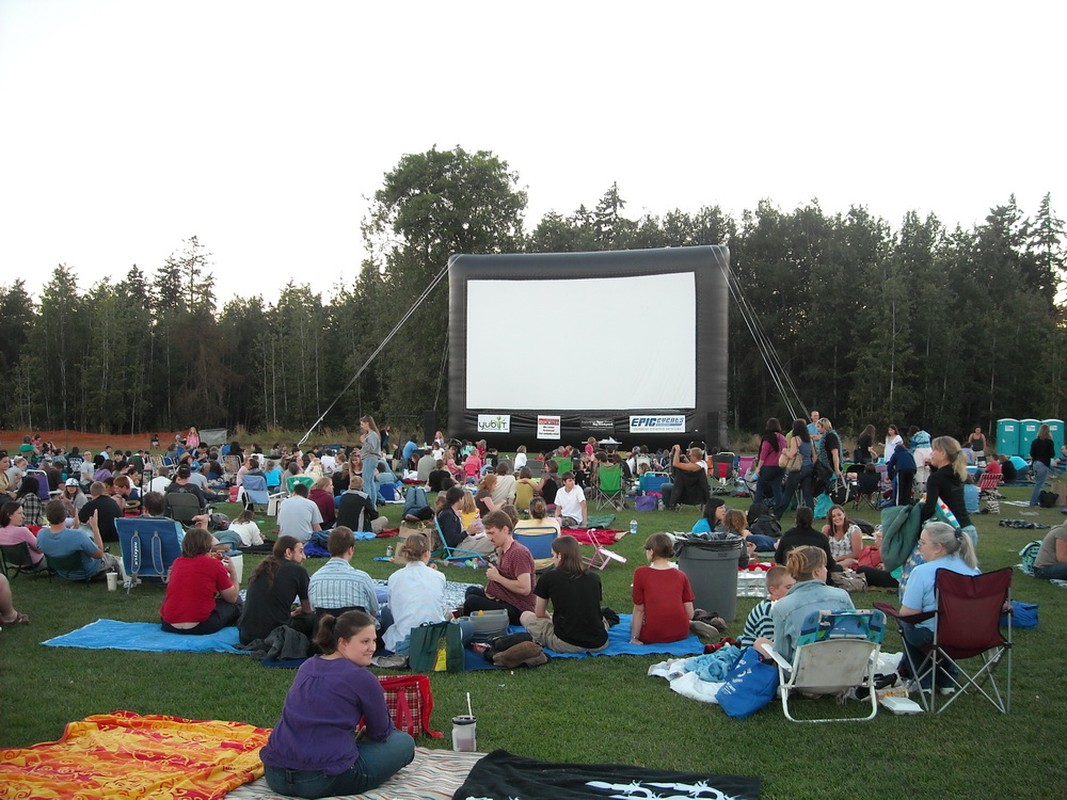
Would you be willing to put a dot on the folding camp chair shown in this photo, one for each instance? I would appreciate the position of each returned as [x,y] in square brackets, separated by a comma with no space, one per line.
[536,466]
[182,506]
[15,560]
[721,470]
[42,483]
[989,493]
[608,488]
[602,557]
[149,548]
[293,480]
[72,562]
[456,556]
[538,540]
[966,625]
[836,651]
[255,492]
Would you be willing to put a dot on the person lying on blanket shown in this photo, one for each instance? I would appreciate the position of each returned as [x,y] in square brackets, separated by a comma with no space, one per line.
[312,751]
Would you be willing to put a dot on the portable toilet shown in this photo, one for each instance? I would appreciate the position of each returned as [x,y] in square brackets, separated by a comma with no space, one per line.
[1008,437]
[1028,429]
[1055,427]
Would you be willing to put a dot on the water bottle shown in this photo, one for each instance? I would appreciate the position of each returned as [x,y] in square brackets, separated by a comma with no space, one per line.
[389,551]
[633,527]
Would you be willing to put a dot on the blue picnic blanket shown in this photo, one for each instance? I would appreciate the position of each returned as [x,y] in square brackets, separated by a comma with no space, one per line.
[110,634]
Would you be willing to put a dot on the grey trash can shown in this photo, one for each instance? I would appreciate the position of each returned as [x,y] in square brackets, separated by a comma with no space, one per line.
[711,566]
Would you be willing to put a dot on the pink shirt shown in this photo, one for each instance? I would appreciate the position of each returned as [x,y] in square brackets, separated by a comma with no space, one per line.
[12,534]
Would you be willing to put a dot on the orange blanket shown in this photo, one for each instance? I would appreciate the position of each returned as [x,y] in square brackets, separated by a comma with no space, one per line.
[124,755]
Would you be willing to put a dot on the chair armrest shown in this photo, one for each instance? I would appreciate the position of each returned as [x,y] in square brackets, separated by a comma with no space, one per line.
[779,659]
[913,619]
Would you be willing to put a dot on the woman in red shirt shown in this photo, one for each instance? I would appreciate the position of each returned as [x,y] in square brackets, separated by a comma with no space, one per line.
[202,590]
[663,598]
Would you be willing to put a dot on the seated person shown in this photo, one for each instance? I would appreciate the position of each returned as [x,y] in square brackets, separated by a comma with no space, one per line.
[1051,561]
[245,527]
[803,534]
[298,516]
[575,624]
[504,489]
[663,597]
[571,507]
[807,566]
[8,614]
[690,479]
[13,531]
[273,476]
[337,586]
[312,751]
[181,484]
[759,623]
[356,511]
[416,595]
[469,516]
[203,594]
[29,498]
[57,540]
[1008,470]
[510,581]
[435,482]
[106,510]
[550,482]
[484,496]
[448,522]
[525,488]
[276,582]
[321,494]
[538,517]
[713,518]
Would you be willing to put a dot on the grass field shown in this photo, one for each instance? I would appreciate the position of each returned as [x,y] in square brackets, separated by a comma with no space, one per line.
[591,710]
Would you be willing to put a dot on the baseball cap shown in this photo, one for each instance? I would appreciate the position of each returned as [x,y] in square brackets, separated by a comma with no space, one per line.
[71,482]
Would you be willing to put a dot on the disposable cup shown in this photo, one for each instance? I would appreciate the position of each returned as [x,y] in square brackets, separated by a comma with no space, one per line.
[112,581]
[464,734]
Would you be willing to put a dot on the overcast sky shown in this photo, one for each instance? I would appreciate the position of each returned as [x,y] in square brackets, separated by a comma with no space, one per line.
[263,127]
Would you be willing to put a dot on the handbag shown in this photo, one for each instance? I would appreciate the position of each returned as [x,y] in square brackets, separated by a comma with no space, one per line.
[790,463]
[750,685]
[436,647]
[849,581]
[410,703]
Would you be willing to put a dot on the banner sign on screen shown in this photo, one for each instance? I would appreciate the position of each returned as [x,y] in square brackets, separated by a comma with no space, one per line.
[674,423]
[494,423]
[548,427]
[597,424]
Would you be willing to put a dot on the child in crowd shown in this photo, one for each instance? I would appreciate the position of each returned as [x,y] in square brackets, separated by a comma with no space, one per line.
[759,621]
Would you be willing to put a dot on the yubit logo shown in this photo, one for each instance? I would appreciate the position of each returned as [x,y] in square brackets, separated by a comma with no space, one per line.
[500,423]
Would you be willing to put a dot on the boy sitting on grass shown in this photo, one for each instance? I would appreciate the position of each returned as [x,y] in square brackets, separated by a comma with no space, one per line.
[759,621]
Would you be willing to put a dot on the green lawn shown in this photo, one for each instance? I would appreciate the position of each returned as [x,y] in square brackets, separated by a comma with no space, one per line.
[594,709]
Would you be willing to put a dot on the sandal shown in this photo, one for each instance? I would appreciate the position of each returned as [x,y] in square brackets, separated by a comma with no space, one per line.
[20,619]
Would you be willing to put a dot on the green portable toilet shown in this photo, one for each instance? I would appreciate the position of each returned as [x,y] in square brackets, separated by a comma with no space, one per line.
[1055,427]
[1008,437]
[1028,429]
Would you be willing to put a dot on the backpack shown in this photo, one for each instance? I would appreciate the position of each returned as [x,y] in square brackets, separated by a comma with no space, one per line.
[1047,499]
[1029,556]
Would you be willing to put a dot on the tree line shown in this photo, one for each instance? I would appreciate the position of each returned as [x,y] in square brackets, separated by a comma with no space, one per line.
[945,328]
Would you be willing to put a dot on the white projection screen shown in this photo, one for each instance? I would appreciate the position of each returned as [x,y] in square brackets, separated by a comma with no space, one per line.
[602,344]
[584,371]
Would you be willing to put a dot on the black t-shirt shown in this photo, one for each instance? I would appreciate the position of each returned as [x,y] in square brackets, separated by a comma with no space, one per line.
[436,479]
[549,487]
[267,607]
[107,512]
[352,505]
[798,537]
[946,485]
[575,601]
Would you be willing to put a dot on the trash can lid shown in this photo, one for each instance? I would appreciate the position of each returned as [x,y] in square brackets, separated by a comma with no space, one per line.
[708,541]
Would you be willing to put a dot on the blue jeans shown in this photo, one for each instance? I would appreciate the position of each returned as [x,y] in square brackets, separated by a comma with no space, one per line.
[770,476]
[377,762]
[1052,572]
[803,479]
[1040,473]
[370,467]
[917,640]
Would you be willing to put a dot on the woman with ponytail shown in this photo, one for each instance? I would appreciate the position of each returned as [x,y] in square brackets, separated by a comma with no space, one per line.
[416,595]
[946,483]
[941,547]
[317,749]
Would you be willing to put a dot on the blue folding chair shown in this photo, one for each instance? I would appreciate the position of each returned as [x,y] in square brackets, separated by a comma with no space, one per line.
[150,546]
[452,555]
[538,540]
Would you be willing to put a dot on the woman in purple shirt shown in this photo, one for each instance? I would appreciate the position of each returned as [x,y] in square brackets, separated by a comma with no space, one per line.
[315,749]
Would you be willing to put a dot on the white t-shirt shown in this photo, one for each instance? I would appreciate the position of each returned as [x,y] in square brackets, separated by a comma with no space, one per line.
[248,531]
[891,445]
[570,503]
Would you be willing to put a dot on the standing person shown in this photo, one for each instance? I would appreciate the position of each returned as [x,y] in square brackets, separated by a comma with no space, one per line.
[800,441]
[863,445]
[946,483]
[1042,451]
[575,624]
[416,595]
[829,456]
[371,451]
[203,592]
[511,580]
[278,580]
[977,442]
[893,440]
[315,750]
[571,507]
[901,469]
[772,445]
